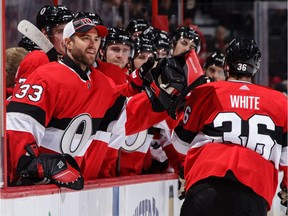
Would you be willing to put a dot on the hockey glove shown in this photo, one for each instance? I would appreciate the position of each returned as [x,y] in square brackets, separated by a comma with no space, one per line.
[283,194]
[178,105]
[142,76]
[169,80]
[60,169]
[181,184]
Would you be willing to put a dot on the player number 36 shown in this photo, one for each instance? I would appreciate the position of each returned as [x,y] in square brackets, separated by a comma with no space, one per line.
[242,67]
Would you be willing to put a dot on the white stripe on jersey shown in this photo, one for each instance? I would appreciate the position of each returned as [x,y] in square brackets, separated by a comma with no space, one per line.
[25,123]
[180,146]
[199,140]
[162,125]
[202,139]
[53,138]
[119,126]
[284,156]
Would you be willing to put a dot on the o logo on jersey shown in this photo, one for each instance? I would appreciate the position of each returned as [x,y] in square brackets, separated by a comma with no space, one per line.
[73,143]
[135,141]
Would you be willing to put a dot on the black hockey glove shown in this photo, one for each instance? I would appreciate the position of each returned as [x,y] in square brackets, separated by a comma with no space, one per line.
[283,194]
[60,169]
[169,80]
[181,184]
[142,77]
[179,104]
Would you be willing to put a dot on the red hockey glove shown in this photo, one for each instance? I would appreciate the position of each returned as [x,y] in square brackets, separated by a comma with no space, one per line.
[142,76]
[60,169]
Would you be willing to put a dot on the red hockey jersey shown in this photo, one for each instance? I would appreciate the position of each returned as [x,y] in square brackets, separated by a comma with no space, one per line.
[122,149]
[29,64]
[112,71]
[60,107]
[235,126]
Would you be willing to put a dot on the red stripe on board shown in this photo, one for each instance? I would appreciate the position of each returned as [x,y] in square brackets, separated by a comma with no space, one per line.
[38,190]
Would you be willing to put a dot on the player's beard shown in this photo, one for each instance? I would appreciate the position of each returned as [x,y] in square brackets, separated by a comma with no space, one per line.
[81,57]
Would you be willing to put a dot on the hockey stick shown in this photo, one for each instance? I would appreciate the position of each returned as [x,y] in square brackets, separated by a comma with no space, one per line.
[34,34]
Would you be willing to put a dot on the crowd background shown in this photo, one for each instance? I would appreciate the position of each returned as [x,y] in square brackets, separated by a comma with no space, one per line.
[219,21]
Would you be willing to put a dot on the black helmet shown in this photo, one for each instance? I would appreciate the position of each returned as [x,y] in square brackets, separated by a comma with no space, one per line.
[186,32]
[162,40]
[96,19]
[144,44]
[27,44]
[242,56]
[217,58]
[150,33]
[118,36]
[137,25]
[50,15]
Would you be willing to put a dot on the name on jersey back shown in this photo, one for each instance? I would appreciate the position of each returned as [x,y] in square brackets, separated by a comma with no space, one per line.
[244,102]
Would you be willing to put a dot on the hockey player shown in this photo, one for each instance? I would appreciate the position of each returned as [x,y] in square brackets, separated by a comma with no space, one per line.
[14,55]
[144,48]
[110,70]
[181,38]
[161,41]
[162,44]
[44,126]
[51,21]
[131,126]
[213,66]
[184,39]
[235,141]
[118,48]
[136,26]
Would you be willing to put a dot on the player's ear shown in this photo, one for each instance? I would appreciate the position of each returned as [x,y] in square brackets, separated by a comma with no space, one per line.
[44,31]
[68,43]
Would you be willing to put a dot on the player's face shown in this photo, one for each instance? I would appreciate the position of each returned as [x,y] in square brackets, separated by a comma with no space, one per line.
[183,45]
[56,38]
[84,48]
[141,59]
[215,72]
[118,54]
[162,53]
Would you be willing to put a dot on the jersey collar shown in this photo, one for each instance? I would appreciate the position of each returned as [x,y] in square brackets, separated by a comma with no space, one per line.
[70,63]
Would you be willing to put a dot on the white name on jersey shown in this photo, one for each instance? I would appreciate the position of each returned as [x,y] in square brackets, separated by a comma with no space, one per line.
[246,102]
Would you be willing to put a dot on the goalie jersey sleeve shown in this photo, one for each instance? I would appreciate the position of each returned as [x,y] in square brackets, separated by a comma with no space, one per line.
[235,126]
